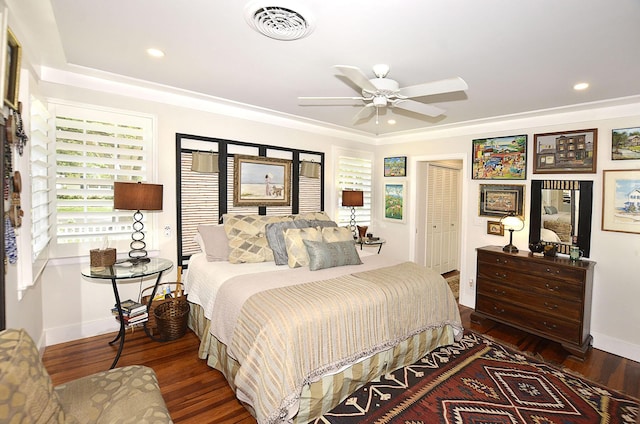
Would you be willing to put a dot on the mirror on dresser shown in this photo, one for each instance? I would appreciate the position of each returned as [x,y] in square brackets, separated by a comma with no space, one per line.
[561,214]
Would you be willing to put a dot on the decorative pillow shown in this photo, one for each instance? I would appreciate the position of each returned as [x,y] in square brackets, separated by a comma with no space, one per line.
[313,216]
[247,240]
[214,239]
[550,210]
[275,238]
[297,255]
[27,393]
[332,234]
[319,223]
[328,255]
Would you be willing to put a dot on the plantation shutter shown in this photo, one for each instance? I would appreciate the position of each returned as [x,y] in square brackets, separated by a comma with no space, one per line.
[94,148]
[354,174]
[40,199]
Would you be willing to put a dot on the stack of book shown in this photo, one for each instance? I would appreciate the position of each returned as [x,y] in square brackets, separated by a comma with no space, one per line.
[132,312]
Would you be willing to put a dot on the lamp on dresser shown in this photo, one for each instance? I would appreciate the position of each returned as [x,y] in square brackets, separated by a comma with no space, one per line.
[353,198]
[136,197]
[512,223]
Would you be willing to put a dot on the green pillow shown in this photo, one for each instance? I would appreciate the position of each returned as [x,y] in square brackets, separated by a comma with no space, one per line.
[328,255]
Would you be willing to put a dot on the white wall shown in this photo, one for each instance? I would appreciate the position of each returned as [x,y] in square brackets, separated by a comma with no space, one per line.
[615,322]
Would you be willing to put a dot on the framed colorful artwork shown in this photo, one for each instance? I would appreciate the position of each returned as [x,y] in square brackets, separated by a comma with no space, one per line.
[261,181]
[395,166]
[625,144]
[500,158]
[621,201]
[394,201]
[499,200]
[567,152]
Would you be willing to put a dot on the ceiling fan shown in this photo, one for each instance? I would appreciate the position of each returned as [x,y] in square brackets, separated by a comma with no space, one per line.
[382,92]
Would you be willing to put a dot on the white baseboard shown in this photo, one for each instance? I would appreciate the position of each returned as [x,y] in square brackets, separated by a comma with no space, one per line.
[80,331]
[616,346]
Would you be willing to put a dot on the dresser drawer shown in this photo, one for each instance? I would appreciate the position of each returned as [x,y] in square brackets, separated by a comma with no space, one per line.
[531,283]
[563,307]
[548,325]
[540,267]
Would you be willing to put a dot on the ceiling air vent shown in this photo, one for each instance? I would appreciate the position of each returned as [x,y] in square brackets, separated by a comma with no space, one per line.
[278,21]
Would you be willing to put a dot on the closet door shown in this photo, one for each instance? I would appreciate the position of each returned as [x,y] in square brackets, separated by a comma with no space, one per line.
[442,218]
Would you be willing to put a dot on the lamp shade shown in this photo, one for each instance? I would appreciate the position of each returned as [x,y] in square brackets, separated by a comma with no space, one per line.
[205,162]
[137,196]
[512,222]
[352,198]
[310,169]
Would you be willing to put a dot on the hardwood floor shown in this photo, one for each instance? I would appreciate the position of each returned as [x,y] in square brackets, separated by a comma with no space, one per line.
[195,393]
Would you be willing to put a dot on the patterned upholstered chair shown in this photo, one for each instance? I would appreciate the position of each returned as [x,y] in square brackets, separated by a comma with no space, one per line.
[122,395]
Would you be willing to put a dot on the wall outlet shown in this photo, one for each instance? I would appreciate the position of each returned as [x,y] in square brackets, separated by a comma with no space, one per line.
[167,231]
[471,283]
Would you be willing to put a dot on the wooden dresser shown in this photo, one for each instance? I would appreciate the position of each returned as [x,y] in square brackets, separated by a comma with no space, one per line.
[549,297]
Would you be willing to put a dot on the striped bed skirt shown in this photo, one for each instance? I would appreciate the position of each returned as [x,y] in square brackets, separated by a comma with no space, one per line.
[323,395]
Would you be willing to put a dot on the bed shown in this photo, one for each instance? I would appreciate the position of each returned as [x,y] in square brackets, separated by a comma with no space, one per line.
[294,341]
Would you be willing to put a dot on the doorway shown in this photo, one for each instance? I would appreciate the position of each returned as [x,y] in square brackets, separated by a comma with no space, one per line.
[439,195]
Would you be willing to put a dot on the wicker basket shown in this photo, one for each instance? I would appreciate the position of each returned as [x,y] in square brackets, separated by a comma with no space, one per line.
[171,318]
[152,324]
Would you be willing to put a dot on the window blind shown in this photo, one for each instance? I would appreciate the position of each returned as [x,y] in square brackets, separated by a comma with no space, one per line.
[354,174]
[94,148]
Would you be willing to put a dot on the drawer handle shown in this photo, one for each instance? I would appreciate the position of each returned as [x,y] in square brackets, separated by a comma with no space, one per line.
[549,270]
[501,275]
[549,326]
[550,307]
[499,311]
[548,286]
[500,292]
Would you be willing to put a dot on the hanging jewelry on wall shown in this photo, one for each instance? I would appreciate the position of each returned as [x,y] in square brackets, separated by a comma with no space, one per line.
[21,135]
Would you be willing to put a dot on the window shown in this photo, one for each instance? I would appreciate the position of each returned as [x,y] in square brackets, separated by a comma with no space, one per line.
[94,148]
[354,173]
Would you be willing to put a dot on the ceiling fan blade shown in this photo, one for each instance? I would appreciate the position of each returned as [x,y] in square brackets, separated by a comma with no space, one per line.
[364,114]
[357,77]
[417,107]
[314,101]
[435,87]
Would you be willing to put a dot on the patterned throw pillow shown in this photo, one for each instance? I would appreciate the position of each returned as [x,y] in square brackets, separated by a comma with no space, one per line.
[247,238]
[275,237]
[331,234]
[328,255]
[297,255]
[313,216]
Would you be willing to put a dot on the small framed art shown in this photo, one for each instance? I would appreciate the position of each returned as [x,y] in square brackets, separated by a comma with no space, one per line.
[625,143]
[567,152]
[500,158]
[394,201]
[621,201]
[499,200]
[395,166]
[495,227]
[12,74]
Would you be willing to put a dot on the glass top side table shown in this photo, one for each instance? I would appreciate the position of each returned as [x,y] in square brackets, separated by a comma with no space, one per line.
[126,271]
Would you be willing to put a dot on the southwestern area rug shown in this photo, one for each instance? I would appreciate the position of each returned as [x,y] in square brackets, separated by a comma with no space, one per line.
[480,381]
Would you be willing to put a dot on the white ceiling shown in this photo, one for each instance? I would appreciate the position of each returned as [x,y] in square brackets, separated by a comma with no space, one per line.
[517,57]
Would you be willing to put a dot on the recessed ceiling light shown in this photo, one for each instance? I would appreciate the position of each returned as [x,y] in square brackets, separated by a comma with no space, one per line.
[581,86]
[155,52]
[391,122]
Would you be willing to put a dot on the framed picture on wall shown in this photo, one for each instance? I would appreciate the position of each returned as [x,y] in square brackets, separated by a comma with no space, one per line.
[394,201]
[501,199]
[567,152]
[395,166]
[625,143]
[12,73]
[500,158]
[495,228]
[621,201]
[261,181]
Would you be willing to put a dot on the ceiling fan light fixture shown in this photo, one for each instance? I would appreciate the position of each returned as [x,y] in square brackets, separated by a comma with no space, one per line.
[380,70]
[279,19]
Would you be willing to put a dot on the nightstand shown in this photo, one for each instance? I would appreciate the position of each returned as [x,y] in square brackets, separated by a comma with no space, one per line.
[368,242]
[119,273]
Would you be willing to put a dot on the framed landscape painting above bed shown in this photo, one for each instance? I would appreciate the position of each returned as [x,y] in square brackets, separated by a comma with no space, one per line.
[261,181]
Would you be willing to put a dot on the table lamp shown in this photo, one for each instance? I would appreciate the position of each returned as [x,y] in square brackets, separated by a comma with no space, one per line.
[136,197]
[512,223]
[353,198]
